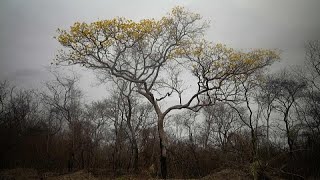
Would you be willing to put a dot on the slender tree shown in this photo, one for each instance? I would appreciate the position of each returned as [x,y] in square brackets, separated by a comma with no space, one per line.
[64,98]
[287,91]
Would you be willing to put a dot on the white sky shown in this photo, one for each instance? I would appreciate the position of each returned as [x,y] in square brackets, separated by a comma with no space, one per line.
[27,28]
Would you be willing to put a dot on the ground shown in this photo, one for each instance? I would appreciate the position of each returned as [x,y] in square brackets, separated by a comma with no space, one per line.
[26,174]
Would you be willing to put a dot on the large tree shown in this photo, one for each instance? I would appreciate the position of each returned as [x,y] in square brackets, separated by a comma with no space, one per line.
[160,57]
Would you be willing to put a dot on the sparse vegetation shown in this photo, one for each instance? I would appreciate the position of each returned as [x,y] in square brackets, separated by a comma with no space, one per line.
[179,107]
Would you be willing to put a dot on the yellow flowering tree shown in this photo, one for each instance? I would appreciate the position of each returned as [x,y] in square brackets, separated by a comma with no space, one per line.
[154,55]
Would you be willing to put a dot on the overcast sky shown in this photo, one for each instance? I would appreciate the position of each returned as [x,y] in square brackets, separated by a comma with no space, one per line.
[27,28]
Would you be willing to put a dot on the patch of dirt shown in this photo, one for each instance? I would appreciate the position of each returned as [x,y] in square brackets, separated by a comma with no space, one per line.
[26,174]
[31,174]
[228,174]
[19,174]
[79,175]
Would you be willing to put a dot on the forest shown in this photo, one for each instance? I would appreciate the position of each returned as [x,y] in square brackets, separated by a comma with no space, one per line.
[178,106]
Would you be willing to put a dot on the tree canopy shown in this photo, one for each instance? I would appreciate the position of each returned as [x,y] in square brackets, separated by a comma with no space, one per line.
[140,51]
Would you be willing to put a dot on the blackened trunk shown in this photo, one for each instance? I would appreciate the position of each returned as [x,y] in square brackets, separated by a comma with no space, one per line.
[163,147]
[254,145]
[163,161]
[135,156]
[133,136]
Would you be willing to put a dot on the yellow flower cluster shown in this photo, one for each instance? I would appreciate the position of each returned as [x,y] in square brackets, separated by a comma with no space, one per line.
[222,59]
[117,28]
[84,38]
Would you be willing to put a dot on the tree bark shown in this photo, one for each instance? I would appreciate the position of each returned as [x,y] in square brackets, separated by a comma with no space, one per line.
[135,155]
[254,145]
[162,136]
[134,143]
[289,138]
[163,147]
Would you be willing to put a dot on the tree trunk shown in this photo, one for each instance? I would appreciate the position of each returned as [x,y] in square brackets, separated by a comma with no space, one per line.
[163,160]
[162,136]
[289,138]
[135,155]
[254,145]
[133,136]
[136,158]
[163,147]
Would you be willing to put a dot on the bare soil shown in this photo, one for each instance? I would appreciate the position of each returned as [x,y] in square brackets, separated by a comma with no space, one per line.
[26,174]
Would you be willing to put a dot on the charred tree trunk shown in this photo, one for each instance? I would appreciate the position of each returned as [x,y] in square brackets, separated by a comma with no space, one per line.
[290,140]
[254,145]
[134,144]
[135,156]
[163,147]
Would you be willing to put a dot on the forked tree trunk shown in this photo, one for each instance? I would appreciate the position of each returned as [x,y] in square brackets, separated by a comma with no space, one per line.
[162,135]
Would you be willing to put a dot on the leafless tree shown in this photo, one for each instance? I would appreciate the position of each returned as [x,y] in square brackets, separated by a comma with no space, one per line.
[311,74]
[249,109]
[97,116]
[64,99]
[265,98]
[287,91]
[220,120]
[313,64]
[136,114]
